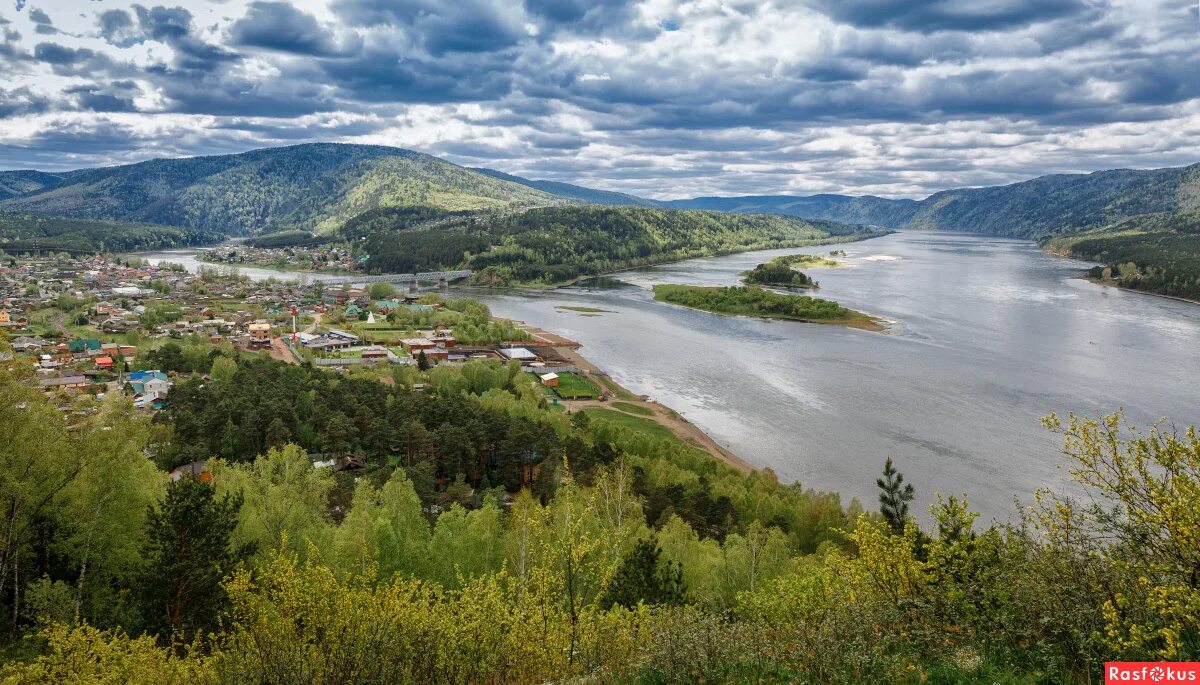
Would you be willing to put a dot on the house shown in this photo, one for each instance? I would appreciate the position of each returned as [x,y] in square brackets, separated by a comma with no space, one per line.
[260,333]
[4,317]
[64,383]
[28,344]
[414,344]
[153,384]
[444,339]
[344,335]
[82,346]
[519,353]
[324,343]
[550,380]
[196,469]
[374,352]
[431,354]
[105,363]
[385,306]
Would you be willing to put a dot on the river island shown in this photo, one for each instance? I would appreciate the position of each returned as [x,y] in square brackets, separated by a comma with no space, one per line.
[762,303]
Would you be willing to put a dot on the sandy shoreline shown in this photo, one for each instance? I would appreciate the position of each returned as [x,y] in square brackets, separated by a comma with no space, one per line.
[683,429]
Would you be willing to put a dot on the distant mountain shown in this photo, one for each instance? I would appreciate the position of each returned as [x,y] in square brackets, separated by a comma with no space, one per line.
[314,186]
[865,209]
[574,192]
[1047,205]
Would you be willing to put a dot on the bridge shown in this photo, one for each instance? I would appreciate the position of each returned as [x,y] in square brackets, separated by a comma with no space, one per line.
[441,277]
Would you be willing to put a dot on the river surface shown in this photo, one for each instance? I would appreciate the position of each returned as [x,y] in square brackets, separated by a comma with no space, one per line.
[989,335]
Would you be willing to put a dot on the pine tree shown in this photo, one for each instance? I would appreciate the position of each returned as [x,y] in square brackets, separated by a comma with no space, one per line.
[188,553]
[644,577]
[422,362]
[894,496]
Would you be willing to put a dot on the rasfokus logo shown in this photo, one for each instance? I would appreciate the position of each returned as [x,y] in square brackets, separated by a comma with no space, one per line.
[1151,672]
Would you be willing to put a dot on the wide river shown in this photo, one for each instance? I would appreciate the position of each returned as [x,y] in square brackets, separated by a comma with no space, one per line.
[989,335]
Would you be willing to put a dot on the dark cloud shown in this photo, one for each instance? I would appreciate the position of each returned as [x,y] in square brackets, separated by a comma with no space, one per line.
[21,101]
[98,98]
[948,15]
[441,27]
[43,24]
[173,26]
[117,28]
[59,55]
[279,26]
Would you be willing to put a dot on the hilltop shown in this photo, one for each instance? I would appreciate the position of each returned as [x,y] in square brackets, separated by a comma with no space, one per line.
[314,187]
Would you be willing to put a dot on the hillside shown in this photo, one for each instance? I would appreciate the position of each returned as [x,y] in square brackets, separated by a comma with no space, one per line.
[1064,203]
[1157,253]
[574,192]
[315,187]
[1061,203]
[14,183]
[869,210]
[25,232]
[558,244]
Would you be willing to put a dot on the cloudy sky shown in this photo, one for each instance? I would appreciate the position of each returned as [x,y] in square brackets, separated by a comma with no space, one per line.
[664,98]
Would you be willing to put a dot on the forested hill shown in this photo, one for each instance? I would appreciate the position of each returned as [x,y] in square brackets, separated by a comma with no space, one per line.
[1048,205]
[25,232]
[315,187]
[557,244]
[1158,253]
[867,209]
[14,183]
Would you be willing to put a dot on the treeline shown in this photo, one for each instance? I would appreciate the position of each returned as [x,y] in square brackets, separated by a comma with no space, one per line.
[558,244]
[263,572]
[24,232]
[287,239]
[1156,253]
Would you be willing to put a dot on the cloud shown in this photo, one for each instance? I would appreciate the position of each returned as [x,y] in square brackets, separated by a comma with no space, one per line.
[948,15]
[660,97]
[43,25]
[280,26]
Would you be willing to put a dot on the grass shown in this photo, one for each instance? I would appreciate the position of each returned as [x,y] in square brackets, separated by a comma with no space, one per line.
[632,408]
[584,310]
[646,426]
[571,386]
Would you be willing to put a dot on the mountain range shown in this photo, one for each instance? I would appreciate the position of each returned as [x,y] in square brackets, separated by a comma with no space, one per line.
[321,186]
[1145,222]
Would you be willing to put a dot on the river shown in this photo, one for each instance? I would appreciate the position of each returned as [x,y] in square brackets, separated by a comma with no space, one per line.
[989,335]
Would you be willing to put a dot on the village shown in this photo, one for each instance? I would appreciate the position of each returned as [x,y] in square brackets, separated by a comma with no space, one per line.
[98,324]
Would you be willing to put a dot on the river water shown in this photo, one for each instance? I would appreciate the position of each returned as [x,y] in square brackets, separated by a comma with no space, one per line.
[989,335]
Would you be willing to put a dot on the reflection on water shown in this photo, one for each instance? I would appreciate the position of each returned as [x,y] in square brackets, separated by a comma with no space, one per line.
[991,334]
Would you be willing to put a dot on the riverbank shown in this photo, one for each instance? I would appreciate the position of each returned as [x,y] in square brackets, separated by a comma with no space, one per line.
[1118,286]
[628,404]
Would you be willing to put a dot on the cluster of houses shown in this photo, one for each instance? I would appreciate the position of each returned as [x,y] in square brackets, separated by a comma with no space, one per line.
[315,258]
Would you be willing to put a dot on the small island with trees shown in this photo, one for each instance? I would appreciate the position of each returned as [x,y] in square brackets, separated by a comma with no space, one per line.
[755,301]
[782,272]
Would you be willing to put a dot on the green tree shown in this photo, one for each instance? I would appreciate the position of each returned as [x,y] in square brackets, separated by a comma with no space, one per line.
[422,361]
[644,576]
[894,496]
[382,291]
[223,369]
[189,552]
